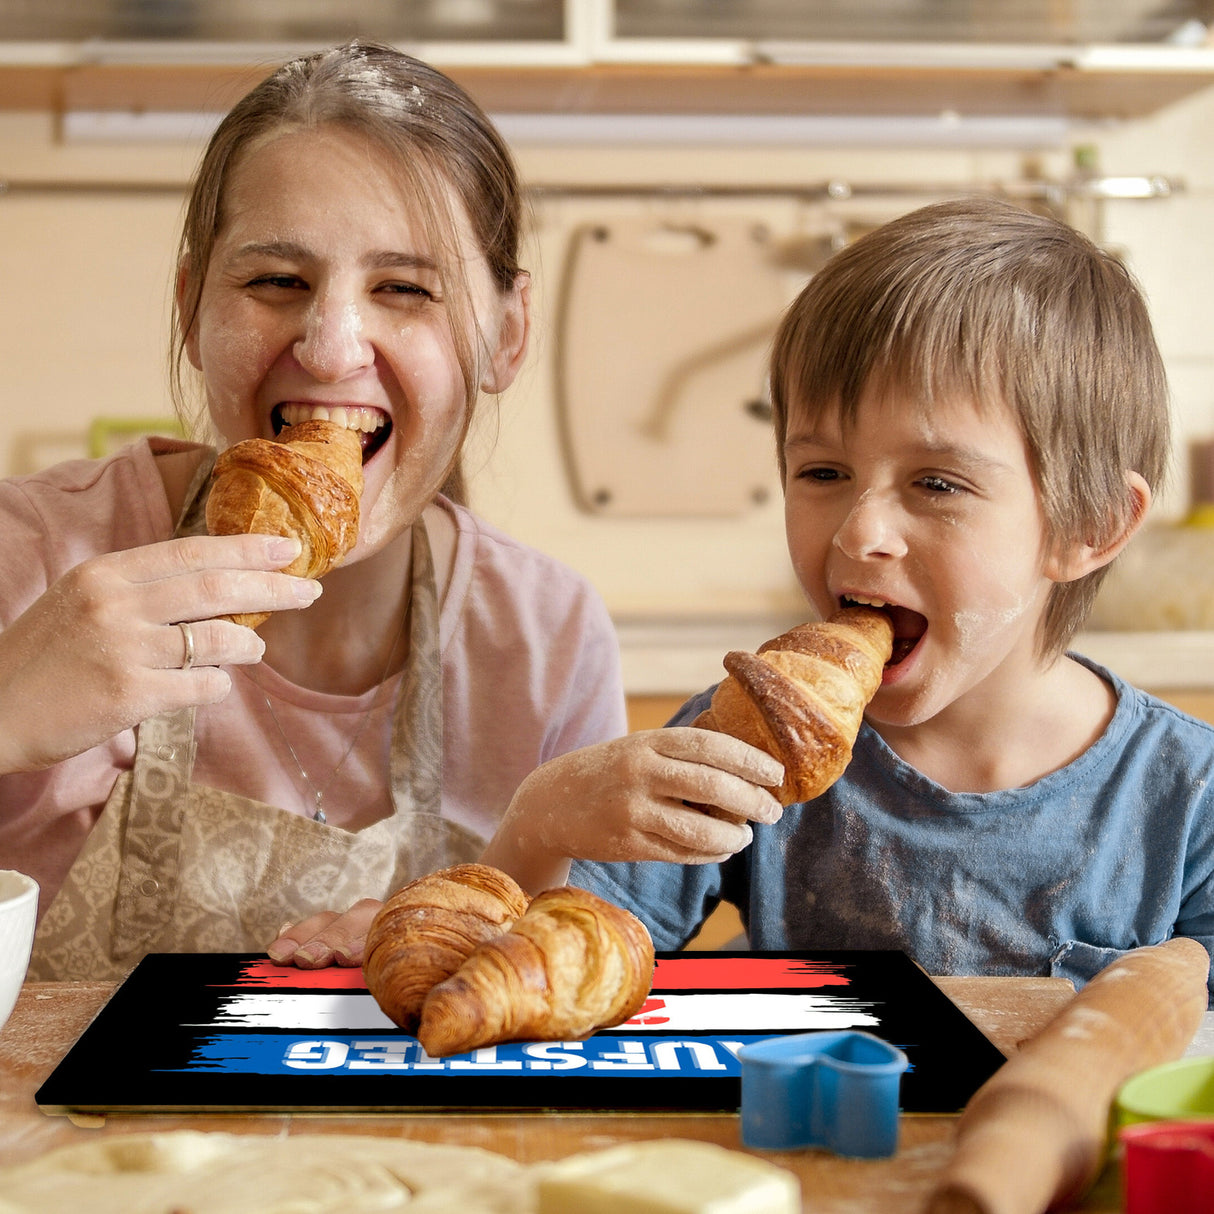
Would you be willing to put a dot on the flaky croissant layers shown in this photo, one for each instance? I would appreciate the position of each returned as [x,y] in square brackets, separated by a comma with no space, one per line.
[308,485]
[427,929]
[463,960]
[802,697]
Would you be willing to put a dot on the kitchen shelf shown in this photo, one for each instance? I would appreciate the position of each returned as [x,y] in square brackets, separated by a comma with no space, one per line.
[1079,88]
[856,89]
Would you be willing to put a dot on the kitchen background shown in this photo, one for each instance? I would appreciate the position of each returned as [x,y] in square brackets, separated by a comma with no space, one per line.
[691,162]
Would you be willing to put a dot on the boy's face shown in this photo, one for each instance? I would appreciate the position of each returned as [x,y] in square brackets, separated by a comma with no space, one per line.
[934,512]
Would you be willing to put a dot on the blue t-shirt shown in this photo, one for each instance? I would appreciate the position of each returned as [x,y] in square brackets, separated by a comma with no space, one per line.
[1059,878]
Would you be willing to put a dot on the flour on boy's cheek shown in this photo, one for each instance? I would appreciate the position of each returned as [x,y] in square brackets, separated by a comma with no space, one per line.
[963,650]
[977,625]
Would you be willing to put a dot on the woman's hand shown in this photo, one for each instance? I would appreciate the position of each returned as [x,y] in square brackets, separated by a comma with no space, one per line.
[102,649]
[682,794]
[327,938]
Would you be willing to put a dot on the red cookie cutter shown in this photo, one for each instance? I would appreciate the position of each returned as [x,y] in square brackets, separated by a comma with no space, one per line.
[1168,1167]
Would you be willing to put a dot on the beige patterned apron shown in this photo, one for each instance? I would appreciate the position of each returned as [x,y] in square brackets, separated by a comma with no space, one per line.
[171,866]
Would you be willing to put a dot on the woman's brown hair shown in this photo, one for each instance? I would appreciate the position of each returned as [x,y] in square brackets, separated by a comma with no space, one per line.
[443,141]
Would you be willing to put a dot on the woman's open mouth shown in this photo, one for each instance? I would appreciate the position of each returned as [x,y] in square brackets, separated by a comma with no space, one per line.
[373,425]
[909,626]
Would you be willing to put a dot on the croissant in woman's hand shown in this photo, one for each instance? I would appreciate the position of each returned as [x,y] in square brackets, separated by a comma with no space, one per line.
[572,964]
[802,697]
[307,485]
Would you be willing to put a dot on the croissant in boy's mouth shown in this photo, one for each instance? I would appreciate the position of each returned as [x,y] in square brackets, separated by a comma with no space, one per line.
[802,697]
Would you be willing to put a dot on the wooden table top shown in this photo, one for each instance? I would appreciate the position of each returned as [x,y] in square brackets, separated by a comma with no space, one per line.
[49,1017]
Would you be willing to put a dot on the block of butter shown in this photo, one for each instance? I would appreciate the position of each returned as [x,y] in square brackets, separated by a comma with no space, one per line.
[666,1176]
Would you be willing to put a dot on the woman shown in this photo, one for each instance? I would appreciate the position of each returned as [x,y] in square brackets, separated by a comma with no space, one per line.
[179,782]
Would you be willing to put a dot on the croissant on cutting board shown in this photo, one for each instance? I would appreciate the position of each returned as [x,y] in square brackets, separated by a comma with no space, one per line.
[801,698]
[308,484]
[426,930]
[572,964]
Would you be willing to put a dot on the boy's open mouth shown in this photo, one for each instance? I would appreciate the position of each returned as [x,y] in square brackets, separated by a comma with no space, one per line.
[909,626]
[373,425]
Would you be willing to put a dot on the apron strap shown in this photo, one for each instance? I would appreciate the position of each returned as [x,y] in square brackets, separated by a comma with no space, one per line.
[149,870]
[416,771]
[193,519]
[164,761]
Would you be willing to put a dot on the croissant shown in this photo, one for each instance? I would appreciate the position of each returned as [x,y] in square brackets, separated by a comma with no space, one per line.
[425,930]
[802,697]
[308,485]
[572,964]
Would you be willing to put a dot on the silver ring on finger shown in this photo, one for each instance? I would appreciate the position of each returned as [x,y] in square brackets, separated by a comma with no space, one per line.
[187,636]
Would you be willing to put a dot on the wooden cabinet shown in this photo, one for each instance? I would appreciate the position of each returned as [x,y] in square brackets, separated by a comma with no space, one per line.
[1082,62]
[1095,92]
[1197,703]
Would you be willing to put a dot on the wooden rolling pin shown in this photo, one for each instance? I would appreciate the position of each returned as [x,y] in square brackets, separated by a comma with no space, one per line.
[1034,1136]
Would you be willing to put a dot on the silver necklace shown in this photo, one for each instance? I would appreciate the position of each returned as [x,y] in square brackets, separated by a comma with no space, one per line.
[318,793]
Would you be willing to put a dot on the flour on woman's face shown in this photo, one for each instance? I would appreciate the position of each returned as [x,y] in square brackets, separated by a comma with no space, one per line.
[324,293]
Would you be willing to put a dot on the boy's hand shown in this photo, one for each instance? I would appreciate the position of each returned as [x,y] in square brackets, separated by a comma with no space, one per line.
[682,794]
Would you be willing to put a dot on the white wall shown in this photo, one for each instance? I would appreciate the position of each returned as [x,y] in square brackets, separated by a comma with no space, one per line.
[1169,246]
[83,323]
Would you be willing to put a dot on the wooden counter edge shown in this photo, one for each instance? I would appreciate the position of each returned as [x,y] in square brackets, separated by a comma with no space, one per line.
[1009,1011]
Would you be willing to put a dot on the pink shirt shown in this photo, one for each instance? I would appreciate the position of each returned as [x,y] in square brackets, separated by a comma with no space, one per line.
[529,657]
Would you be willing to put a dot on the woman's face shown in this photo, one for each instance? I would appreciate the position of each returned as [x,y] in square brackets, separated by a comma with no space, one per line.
[323,298]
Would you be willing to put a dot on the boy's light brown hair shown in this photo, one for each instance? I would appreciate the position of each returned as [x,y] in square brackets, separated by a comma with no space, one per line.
[980,300]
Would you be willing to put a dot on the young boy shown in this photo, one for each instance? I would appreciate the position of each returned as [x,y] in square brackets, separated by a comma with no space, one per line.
[971,418]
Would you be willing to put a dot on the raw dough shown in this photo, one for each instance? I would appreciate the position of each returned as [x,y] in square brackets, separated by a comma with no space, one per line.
[192,1172]
[195,1172]
[667,1176]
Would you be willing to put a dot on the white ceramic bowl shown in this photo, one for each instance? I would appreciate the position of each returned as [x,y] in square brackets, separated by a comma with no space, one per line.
[18,910]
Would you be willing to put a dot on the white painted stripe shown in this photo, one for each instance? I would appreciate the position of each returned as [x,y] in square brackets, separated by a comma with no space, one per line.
[666,1013]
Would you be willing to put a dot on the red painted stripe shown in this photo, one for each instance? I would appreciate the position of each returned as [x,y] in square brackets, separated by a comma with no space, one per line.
[690,972]
[267,974]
